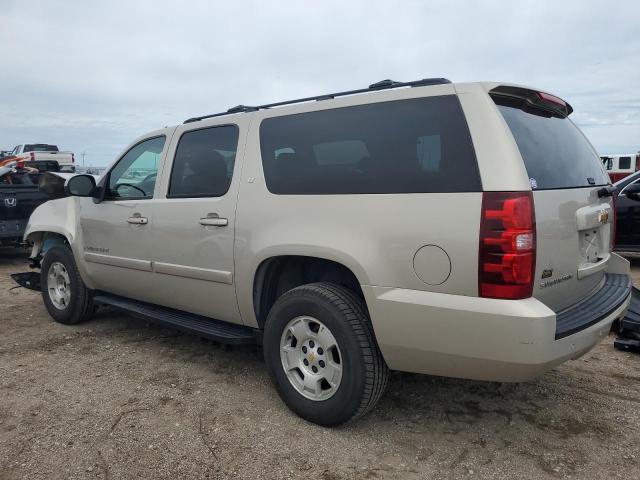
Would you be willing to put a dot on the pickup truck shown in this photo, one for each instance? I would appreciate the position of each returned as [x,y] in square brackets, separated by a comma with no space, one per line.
[19,197]
[31,152]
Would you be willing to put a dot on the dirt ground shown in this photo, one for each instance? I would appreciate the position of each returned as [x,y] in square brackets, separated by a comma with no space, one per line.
[115,398]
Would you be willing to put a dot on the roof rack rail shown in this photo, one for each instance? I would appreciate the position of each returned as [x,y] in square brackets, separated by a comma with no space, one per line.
[384,84]
[241,108]
[381,85]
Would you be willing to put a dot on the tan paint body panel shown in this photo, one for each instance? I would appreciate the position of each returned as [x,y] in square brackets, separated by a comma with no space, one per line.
[375,236]
[499,161]
[475,338]
[193,259]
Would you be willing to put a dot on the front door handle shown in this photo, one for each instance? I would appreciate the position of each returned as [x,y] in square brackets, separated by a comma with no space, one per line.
[213,220]
[138,220]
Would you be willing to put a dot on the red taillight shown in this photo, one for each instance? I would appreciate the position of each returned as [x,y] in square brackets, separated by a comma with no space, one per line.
[506,264]
[32,156]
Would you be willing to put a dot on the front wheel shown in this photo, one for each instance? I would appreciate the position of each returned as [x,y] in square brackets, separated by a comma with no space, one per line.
[65,296]
[322,356]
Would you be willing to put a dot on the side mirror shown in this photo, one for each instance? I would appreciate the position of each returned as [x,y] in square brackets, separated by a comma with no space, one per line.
[633,191]
[81,186]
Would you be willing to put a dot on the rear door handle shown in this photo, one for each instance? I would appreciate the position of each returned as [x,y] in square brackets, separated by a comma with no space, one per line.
[138,220]
[213,221]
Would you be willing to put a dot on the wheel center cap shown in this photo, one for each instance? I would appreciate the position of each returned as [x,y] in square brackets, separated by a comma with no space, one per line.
[312,357]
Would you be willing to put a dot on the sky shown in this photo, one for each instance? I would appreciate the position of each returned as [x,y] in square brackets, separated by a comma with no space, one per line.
[91,76]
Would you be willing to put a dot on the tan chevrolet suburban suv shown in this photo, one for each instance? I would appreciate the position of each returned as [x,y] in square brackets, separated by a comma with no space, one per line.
[449,229]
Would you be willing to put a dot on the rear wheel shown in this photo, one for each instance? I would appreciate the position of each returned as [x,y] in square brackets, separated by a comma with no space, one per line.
[321,354]
[65,296]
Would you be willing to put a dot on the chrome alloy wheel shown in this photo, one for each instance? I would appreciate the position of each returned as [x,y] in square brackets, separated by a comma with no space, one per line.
[58,285]
[311,358]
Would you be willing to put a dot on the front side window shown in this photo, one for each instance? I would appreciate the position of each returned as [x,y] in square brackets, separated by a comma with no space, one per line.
[405,146]
[204,161]
[134,176]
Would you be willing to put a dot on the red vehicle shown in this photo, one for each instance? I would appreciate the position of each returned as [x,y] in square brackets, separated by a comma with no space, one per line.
[622,165]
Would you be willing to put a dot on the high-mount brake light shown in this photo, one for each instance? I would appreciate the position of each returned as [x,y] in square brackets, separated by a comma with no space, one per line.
[507,256]
[530,100]
[546,97]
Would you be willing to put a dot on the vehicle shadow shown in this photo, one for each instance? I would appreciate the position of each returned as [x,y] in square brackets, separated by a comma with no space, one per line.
[546,426]
[418,404]
[13,255]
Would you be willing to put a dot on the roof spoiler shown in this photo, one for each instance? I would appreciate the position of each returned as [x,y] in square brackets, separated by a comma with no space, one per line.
[527,99]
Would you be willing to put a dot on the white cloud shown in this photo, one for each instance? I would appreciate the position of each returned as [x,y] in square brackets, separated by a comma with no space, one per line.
[92,76]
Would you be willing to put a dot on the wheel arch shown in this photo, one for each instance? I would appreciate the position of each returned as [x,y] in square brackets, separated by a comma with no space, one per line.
[278,274]
[53,218]
[43,240]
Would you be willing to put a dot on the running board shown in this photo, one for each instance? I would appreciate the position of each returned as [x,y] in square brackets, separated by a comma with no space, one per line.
[217,330]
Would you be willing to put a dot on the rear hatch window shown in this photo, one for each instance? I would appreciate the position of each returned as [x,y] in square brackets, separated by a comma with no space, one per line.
[40,147]
[555,152]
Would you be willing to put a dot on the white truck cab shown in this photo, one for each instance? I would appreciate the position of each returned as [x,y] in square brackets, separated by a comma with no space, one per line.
[30,152]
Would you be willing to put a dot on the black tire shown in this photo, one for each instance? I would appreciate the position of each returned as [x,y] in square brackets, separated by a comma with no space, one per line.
[364,375]
[80,306]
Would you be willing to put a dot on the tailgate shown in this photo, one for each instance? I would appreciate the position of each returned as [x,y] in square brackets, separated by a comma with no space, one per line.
[60,157]
[18,202]
[573,229]
[573,223]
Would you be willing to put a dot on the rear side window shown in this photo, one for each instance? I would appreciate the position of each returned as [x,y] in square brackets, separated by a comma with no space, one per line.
[555,152]
[40,147]
[624,163]
[406,146]
[204,161]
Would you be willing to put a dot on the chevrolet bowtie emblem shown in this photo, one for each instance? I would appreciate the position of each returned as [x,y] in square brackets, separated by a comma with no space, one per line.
[603,216]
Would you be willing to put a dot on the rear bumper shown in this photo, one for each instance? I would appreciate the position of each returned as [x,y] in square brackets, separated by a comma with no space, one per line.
[478,338]
[595,307]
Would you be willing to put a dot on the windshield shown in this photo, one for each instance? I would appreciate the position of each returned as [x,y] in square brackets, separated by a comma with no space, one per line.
[555,152]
